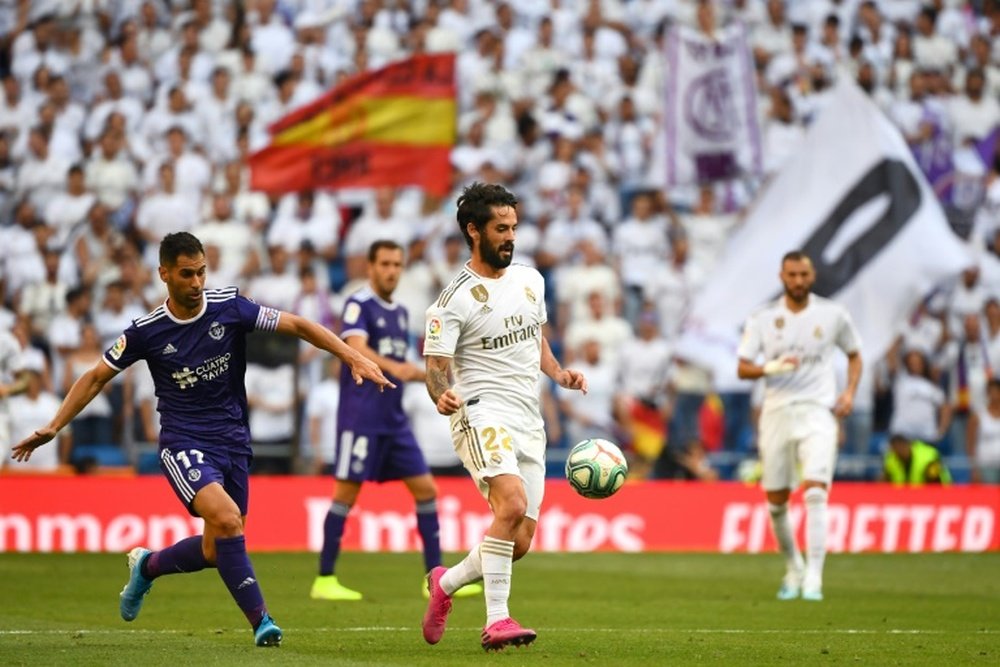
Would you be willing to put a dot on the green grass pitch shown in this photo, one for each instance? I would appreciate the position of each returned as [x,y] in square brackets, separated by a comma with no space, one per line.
[588,609]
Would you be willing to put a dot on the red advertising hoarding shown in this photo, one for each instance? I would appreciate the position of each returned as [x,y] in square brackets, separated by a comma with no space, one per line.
[286,514]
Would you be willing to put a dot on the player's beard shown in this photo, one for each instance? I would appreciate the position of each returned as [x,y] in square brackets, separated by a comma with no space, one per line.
[797,294]
[491,254]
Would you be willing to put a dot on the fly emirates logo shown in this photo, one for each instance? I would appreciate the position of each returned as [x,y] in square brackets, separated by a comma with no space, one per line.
[517,332]
[209,369]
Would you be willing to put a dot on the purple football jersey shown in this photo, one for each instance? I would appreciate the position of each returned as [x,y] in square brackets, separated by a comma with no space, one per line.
[198,366]
[384,324]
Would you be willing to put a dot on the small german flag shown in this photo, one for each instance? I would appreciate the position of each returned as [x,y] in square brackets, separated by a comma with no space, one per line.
[392,126]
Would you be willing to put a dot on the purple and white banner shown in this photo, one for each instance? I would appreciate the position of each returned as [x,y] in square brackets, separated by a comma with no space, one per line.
[710,123]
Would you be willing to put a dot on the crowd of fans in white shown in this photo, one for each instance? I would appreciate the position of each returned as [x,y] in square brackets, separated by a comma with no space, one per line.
[124,120]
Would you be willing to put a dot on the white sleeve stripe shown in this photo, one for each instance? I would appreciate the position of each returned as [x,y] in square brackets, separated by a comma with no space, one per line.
[267,319]
[113,367]
[353,332]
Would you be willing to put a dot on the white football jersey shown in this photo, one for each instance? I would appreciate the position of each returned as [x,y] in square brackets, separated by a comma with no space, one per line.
[811,335]
[492,330]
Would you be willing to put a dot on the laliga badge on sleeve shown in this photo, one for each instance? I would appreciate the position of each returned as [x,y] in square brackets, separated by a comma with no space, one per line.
[118,348]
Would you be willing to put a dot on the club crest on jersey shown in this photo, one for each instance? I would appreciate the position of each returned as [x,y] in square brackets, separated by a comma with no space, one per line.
[433,328]
[216,331]
[480,294]
[194,474]
[531,295]
[118,348]
[495,459]
[779,323]
[818,332]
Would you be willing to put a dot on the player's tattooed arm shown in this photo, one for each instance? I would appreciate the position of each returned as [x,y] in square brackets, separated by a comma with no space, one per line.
[438,381]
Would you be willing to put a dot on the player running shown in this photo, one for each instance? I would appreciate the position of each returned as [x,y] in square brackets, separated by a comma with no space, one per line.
[195,346]
[486,330]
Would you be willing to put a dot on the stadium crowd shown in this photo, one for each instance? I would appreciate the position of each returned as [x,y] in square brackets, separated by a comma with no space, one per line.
[124,120]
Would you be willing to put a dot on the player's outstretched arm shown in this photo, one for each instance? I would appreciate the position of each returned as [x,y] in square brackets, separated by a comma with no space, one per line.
[438,383]
[83,391]
[361,367]
[404,370]
[564,377]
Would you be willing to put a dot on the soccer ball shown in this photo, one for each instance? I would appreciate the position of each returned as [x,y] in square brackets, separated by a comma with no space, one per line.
[596,468]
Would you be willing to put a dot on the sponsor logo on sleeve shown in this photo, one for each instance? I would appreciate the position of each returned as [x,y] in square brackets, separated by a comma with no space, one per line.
[352,312]
[118,348]
[434,328]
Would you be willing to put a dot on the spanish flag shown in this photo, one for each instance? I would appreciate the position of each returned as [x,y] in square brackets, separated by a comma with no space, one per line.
[392,126]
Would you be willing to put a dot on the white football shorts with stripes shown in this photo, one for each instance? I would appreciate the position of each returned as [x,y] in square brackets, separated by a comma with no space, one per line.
[797,441]
[491,443]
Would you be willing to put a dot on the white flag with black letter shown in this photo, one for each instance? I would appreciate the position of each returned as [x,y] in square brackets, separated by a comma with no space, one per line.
[855,201]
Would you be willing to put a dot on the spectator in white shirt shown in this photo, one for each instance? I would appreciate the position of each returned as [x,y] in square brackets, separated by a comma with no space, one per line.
[380,222]
[113,99]
[974,114]
[321,411]
[20,245]
[279,285]
[920,409]
[306,217]
[111,175]
[639,245]
[69,209]
[931,49]
[272,39]
[192,172]
[163,212]
[594,414]
[42,300]
[42,175]
[600,325]
[31,410]
[235,238]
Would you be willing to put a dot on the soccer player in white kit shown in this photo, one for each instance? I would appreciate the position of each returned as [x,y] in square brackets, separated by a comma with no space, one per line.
[485,332]
[796,336]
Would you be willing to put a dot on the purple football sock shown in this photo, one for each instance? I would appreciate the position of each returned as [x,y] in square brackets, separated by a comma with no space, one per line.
[184,556]
[236,571]
[333,530]
[427,526]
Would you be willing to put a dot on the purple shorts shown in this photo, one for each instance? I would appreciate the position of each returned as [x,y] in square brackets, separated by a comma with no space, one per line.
[377,457]
[188,468]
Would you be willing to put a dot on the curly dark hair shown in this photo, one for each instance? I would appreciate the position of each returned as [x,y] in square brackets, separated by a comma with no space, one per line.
[476,205]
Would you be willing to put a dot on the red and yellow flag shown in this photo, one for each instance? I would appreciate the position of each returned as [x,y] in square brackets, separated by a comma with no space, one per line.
[392,126]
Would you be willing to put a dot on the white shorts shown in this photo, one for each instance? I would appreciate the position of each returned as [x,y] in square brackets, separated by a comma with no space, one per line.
[797,441]
[491,444]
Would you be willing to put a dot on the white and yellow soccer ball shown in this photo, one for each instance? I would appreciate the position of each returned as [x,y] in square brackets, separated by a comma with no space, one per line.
[596,468]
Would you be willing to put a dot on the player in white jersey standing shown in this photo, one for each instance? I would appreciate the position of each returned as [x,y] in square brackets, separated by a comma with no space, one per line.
[796,337]
[485,332]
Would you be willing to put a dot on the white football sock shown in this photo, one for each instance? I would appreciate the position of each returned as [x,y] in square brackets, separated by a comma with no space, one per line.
[782,527]
[498,558]
[466,572]
[815,499]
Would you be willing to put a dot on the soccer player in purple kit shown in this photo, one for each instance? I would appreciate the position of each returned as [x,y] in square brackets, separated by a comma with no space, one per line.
[195,346]
[374,440]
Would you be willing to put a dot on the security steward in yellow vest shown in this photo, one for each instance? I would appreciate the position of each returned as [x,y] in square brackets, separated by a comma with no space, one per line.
[913,462]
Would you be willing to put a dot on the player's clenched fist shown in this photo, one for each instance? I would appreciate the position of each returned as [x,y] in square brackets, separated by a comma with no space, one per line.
[448,403]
